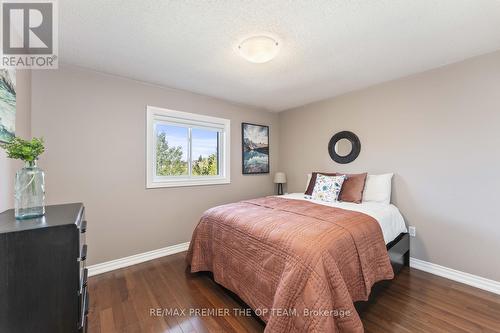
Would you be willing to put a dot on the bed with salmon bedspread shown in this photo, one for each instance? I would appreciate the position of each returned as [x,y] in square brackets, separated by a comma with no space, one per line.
[298,264]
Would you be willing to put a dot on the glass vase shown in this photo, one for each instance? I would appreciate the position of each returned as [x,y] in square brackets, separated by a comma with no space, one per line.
[29,192]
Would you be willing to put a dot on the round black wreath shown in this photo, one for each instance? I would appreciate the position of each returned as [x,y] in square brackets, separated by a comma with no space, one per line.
[356,147]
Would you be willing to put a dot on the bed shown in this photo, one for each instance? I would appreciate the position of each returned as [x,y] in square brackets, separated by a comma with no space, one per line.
[300,264]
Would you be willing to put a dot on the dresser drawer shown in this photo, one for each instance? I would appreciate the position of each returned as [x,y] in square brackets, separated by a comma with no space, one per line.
[83,281]
[84,329]
[83,232]
[84,309]
[81,224]
[82,261]
[83,253]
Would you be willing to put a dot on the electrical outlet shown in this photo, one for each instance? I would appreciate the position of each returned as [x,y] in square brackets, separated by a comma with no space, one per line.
[413,231]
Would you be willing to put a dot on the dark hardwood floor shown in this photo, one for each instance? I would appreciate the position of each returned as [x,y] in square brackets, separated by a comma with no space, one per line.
[414,302]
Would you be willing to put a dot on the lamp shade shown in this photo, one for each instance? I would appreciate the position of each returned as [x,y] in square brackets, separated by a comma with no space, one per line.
[279,178]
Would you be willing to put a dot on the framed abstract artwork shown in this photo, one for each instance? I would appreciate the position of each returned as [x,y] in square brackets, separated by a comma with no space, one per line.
[7,105]
[255,148]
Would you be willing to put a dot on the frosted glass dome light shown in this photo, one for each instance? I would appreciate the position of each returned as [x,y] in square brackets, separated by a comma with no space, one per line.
[258,49]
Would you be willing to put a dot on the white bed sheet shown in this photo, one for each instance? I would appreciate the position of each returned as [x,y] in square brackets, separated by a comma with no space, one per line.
[388,216]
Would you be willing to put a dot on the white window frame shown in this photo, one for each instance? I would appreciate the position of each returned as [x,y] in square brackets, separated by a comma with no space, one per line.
[156,114]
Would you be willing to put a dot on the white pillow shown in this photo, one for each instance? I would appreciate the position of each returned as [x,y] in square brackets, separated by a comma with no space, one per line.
[378,188]
[309,175]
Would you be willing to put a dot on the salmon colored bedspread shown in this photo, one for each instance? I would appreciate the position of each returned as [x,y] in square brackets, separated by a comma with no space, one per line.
[299,265]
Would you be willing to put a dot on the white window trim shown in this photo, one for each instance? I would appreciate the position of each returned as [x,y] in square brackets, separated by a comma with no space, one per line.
[159,114]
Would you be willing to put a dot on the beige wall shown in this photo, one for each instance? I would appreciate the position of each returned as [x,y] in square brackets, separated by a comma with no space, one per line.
[8,167]
[94,128]
[439,132]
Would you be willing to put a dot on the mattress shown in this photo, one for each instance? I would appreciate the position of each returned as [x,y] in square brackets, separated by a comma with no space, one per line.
[388,216]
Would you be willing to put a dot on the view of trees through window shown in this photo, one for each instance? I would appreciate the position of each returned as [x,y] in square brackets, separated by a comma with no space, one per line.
[172,151]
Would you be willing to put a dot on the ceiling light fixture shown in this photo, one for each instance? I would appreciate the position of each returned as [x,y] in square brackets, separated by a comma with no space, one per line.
[258,49]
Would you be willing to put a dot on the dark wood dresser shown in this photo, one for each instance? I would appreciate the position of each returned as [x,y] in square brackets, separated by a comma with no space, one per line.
[43,279]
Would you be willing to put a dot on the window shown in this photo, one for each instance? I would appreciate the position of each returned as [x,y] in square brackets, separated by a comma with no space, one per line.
[186,149]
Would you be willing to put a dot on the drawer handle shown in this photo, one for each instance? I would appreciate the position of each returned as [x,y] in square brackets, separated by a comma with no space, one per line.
[83,253]
[83,227]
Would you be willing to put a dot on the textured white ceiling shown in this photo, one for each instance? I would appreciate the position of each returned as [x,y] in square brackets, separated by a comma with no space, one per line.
[327,47]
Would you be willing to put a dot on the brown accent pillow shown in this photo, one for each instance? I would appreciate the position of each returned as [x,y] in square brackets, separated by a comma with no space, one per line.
[312,182]
[352,189]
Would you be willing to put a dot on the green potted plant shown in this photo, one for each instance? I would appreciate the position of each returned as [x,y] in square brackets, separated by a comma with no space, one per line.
[30,180]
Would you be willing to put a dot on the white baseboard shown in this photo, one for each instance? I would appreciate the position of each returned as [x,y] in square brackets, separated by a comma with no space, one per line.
[136,259]
[458,276]
[448,273]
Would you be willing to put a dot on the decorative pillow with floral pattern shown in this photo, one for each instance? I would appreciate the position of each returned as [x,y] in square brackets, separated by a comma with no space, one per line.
[327,188]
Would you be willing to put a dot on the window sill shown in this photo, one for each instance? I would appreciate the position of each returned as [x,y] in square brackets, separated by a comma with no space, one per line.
[188,182]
